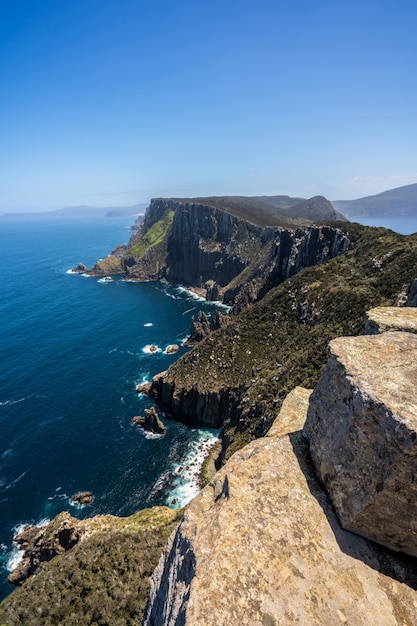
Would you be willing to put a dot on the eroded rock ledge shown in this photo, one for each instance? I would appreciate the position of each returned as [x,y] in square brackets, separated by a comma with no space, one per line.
[262,543]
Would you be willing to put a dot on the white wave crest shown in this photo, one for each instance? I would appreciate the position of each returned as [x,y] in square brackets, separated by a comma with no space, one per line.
[151,349]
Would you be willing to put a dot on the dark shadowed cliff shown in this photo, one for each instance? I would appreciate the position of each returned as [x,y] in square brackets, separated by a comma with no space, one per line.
[226,241]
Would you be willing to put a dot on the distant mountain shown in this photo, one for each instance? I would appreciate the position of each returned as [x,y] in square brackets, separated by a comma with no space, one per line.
[80,211]
[394,202]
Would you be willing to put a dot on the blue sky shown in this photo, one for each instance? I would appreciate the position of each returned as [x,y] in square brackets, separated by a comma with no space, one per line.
[112,102]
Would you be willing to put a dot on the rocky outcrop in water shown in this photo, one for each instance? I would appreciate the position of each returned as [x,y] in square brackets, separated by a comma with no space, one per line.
[219,248]
[150,422]
[83,497]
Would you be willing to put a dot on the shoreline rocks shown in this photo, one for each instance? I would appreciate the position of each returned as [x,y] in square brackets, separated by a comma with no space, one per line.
[80,268]
[41,544]
[150,422]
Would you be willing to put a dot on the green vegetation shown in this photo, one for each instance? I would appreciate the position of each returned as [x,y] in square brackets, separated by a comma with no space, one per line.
[154,235]
[110,265]
[103,580]
[281,341]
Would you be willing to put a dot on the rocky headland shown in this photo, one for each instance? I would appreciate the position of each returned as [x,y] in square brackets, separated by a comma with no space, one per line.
[288,530]
[220,245]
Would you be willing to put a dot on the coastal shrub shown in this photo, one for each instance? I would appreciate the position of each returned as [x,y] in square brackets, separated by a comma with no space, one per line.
[281,341]
[153,236]
[103,580]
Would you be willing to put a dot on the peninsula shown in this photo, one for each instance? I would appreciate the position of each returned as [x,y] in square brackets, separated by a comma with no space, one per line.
[281,533]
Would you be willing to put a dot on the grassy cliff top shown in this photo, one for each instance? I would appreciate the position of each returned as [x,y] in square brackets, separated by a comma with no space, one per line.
[281,341]
[264,211]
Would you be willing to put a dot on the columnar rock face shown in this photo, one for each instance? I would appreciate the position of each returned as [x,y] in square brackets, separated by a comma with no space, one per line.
[261,545]
[209,247]
[386,318]
[362,429]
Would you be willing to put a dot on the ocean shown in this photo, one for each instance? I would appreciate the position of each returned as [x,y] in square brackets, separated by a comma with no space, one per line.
[73,348]
[406,224]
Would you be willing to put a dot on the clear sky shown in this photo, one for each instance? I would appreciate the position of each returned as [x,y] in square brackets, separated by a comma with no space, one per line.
[112,102]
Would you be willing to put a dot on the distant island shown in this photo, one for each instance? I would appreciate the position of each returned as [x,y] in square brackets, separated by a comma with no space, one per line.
[397,202]
[80,211]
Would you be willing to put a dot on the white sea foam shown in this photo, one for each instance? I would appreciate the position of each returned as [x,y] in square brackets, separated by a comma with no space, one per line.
[191,294]
[151,349]
[7,453]
[106,279]
[148,435]
[15,555]
[186,472]
[11,402]
[16,480]
[148,325]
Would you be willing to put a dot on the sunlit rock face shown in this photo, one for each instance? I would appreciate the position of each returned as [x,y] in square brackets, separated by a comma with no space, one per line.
[362,429]
[261,544]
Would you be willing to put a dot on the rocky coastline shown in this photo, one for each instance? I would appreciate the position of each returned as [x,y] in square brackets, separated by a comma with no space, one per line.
[298,520]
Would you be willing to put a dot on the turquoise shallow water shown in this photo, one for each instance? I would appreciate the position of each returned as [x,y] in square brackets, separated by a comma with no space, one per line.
[72,350]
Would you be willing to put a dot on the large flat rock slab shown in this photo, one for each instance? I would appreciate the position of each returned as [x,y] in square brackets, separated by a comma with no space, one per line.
[388,318]
[261,546]
[293,413]
[362,430]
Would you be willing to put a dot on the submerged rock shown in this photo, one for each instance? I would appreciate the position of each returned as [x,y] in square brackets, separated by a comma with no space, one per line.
[362,429]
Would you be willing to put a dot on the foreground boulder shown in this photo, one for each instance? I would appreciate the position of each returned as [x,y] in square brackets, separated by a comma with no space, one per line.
[261,544]
[362,427]
[389,318]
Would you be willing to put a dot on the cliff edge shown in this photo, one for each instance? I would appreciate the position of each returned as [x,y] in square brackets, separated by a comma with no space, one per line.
[262,543]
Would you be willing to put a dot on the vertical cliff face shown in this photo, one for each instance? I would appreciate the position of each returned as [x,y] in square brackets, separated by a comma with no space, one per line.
[290,252]
[194,243]
[209,244]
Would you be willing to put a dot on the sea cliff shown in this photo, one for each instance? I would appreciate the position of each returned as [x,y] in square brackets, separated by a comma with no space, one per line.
[221,246]
[262,543]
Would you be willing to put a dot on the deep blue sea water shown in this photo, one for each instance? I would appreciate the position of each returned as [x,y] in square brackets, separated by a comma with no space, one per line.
[72,350]
[406,225]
